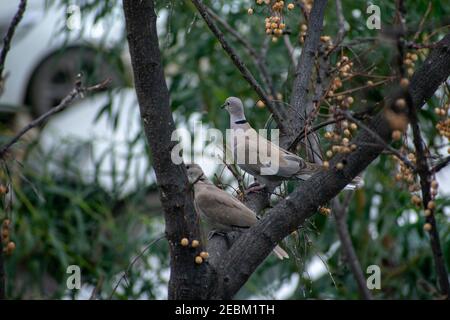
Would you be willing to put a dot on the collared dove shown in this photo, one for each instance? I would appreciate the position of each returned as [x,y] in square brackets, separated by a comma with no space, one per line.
[220,210]
[270,163]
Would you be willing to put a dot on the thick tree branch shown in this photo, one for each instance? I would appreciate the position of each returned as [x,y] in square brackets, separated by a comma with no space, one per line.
[277,113]
[299,97]
[254,245]
[340,211]
[188,280]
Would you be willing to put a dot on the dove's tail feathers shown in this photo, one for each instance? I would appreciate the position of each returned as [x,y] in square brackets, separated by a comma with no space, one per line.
[280,253]
[357,183]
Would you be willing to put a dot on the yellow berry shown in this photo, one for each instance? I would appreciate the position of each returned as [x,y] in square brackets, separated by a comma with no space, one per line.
[427,227]
[427,212]
[10,247]
[400,103]
[353,126]
[431,205]
[416,199]
[396,135]
[350,100]
[260,104]
[326,164]
[195,243]
[204,254]
[340,166]
[404,83]
[434,184]
[290,6]
[414,57]
[329,153]
[198,260]
[184,242]
[370,83]
[3,189]
[250,11]
[6,223]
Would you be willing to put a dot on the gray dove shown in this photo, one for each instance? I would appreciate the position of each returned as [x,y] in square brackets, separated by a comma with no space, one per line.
[289,165]
[220,210]
[247,142]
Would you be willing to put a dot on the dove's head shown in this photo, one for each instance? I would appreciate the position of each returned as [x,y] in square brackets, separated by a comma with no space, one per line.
[234,107]
[195,173]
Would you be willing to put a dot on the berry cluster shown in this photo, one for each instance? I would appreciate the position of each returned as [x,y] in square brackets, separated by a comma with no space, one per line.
[340,141]
[194,244]
[443,126]
[344,68]
[8,246]
[274,23]
[409,62]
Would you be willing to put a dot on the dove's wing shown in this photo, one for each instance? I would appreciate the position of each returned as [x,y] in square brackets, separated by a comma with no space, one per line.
[222,208]
[289,165]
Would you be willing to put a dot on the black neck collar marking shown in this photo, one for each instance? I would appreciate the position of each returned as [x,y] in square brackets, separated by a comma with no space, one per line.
[240,121]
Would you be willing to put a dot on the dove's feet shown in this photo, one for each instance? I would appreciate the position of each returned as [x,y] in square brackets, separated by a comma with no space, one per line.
[255,187]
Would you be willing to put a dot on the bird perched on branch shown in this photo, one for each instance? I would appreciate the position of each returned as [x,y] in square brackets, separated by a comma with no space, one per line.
[220,210]
[271,163]
[264,160]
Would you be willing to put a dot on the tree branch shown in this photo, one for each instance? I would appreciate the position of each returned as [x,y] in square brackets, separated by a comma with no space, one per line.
[78,92]
[276,112]
[259,60]
[188,280]
[340,211]
[9,36]
[299,112]
[426,177]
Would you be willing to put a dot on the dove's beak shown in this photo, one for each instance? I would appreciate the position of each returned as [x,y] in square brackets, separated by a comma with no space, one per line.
[223,106]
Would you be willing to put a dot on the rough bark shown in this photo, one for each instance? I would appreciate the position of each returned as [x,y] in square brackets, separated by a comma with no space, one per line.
[187,280]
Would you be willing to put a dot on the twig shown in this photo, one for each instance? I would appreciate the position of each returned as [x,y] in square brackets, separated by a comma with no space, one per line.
[131,264]
[422,22]
[441,165]
[425,175]
[277,112]
[256,56]
[97,288]
[340,212]
[380,140]
[78,92]
[290,49]
[9,35]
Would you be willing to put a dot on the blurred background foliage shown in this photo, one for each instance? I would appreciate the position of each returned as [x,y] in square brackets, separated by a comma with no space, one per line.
[62,217]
